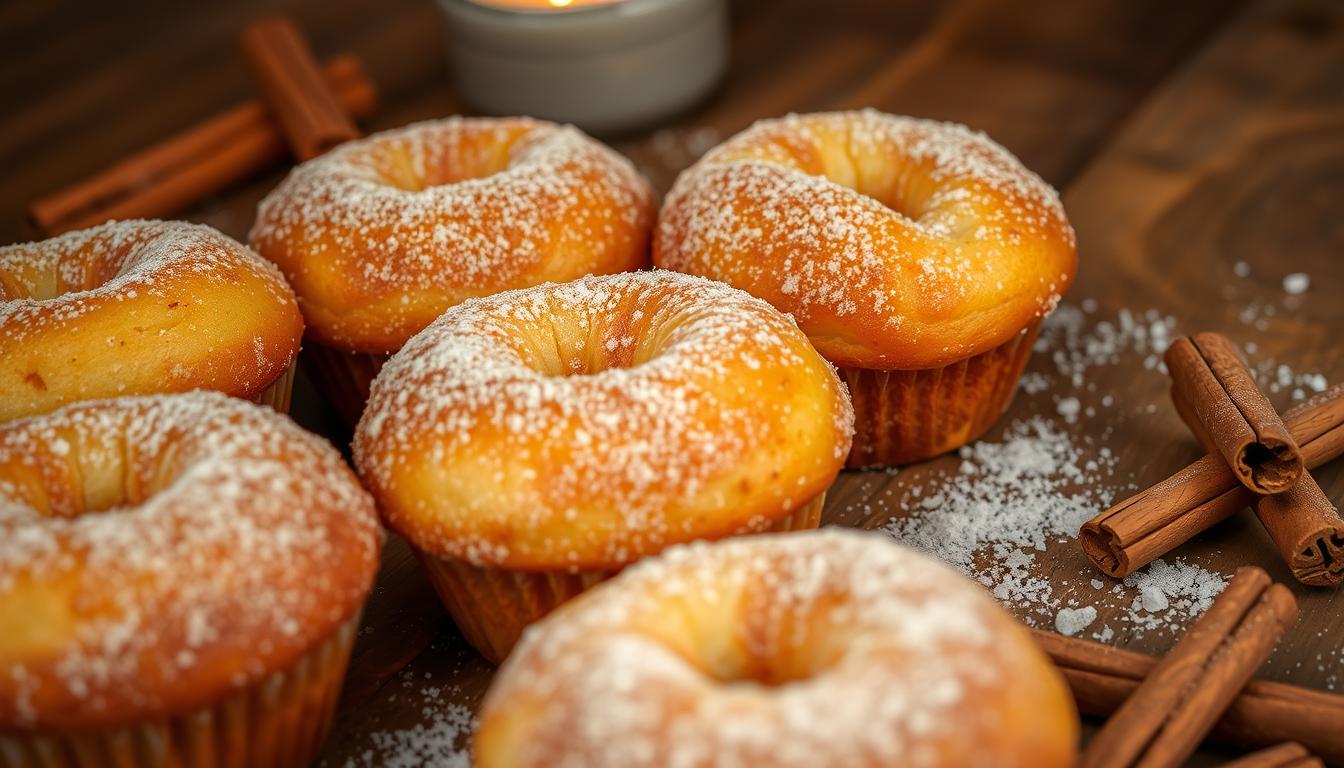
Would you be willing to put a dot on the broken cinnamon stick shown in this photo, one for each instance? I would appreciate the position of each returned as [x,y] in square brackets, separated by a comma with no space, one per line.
[1287,755]
[164,179]
[291,84]
[1207,374]
[1149,524]
[1263,714]
[1179,701]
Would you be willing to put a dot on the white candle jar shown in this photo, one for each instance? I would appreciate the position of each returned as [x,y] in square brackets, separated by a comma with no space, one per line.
[606,67]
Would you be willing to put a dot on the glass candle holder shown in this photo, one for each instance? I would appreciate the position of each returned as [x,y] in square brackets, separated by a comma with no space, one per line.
[606,66]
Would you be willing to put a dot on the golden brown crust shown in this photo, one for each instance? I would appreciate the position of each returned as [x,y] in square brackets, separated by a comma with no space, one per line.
[139,307]
[159,553]
[896,243]
[380,236]
[829,648]
[586,424]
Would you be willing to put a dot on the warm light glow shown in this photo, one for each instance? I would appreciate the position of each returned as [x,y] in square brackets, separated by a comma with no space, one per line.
[544,5]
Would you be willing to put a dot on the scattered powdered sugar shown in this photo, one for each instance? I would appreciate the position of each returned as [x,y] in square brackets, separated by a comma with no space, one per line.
[1004,504]
[440,740]
[1296,283]
[1273,376]
[1076,344]
[665,383]
[1033,383]
[592,685]
[758,213]
[1170,593]
[1071,621]
[193,526]
[452,208]
[997,515]
[1068,407]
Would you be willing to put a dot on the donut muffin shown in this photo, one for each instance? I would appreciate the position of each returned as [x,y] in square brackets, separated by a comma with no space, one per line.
[380,236]
[532,443]
[140,307]
[181,577]
[919,257]
[813,649]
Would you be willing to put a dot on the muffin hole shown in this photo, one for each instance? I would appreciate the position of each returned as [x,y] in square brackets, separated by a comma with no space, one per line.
[585,348]
[892,181]
[84,269]
[799,647]
[769,671]
[105,478]
[793,655]
[401,169]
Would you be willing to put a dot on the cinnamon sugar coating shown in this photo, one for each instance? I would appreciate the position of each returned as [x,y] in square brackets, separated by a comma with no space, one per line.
[826,648]
[381,235]
[897,243]
[585,424]
[137,307]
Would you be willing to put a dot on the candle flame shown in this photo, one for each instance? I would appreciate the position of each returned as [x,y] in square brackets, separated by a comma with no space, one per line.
[545,5]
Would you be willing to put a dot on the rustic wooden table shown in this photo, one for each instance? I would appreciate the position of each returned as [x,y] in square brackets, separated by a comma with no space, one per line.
[1199,147]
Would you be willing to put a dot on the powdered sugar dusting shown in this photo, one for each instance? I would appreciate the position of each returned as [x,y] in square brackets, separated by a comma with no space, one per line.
[118,309]
[439,741]
[922,222]
[455,208]
[626,395]
[870,649]
[177,529]
[59,279]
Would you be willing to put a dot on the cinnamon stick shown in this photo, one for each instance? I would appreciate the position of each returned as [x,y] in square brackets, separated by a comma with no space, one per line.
[1286,755]
[1308,532]
[168,177]
[291,84]
[1179,701]
[1305,527]
[1149,524]
[1264,713]
[1211,381]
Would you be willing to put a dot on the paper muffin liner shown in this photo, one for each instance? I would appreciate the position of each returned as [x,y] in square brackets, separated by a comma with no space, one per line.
[343,378]
[906,416]
[278,393]
[281,721]
[492,606]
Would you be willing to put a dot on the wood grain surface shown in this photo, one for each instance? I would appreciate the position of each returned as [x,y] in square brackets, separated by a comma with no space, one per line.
[1187,138]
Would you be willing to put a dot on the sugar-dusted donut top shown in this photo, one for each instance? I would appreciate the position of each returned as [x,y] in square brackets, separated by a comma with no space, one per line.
[157,553]
[815,649]
[137,307]
[897,243]
[379,236]
[588,423]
